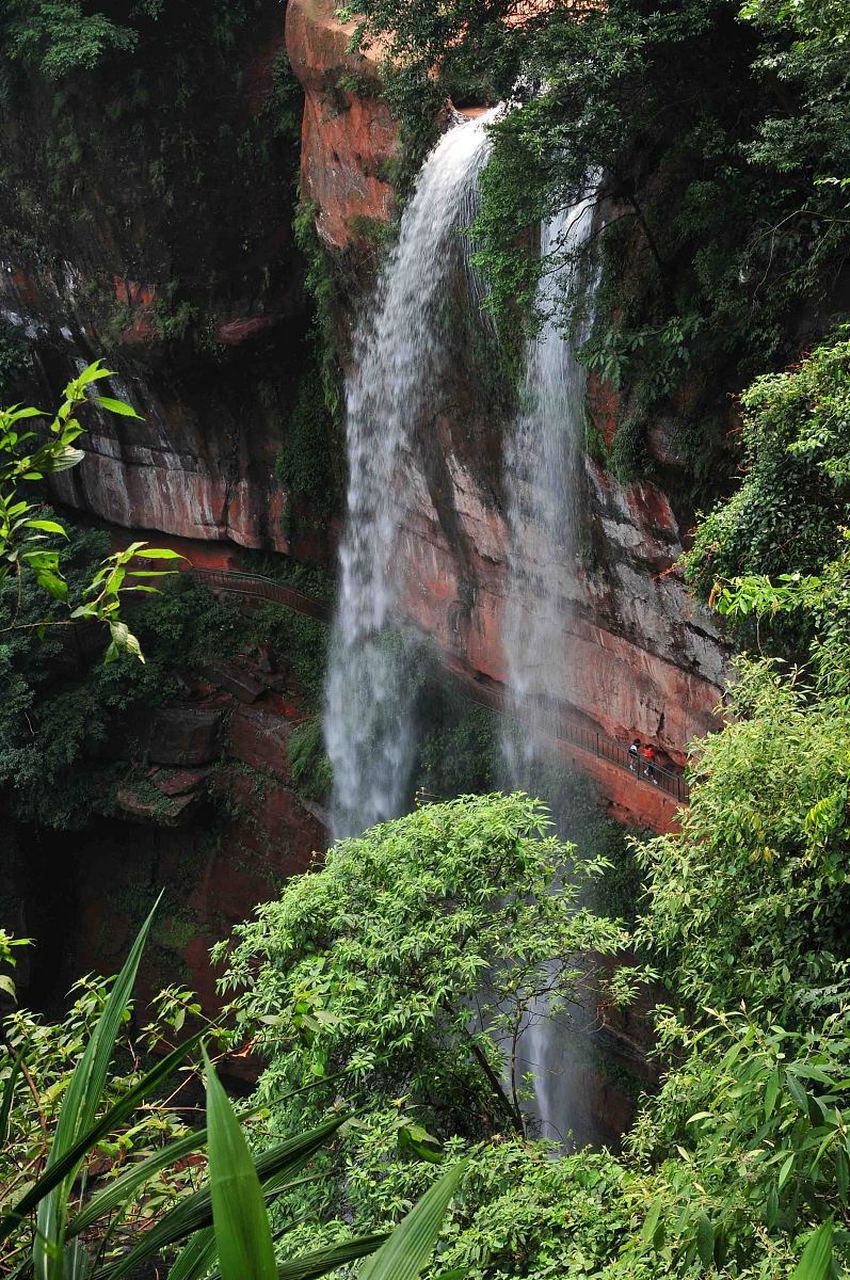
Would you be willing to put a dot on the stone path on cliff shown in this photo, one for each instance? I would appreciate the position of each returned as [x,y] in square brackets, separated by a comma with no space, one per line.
[486,693]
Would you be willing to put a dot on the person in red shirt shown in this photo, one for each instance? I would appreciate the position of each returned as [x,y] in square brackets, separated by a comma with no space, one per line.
[648,754]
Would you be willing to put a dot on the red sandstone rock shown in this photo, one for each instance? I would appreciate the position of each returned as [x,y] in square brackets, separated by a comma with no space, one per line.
[276,826]
[234,679]
[163,811]
[347,139]
[180,783]
[259,738]
[233,332]
[184,736]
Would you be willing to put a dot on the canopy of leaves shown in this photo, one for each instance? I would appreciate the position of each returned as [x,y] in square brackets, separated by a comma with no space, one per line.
[795,497]
[59,37]
[413,961]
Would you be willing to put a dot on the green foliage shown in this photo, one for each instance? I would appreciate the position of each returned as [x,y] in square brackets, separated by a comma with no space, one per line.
[63,1109]
[57,1084]
[26,534]
[411,962]
[240,1221]
[722,145]
[750,901]
[310,768]
[322,285]
[822,602]
[69,724]
[305,461]
[795,496]
[459,750]
[58,38]
[14,359]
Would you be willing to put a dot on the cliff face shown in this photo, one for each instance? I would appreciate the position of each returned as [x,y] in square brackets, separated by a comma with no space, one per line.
[146,216]
[183,274]
[639,656]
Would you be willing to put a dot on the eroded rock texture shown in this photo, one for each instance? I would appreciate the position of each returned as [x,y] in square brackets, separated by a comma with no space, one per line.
[639,656]
[146,217]
[185,273]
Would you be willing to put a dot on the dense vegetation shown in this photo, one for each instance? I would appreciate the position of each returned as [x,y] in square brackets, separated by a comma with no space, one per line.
[385,990]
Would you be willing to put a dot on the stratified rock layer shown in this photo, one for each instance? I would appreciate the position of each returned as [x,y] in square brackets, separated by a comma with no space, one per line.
[639,656]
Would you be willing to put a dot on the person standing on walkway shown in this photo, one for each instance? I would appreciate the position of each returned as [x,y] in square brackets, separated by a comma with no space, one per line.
[649,756]
[634,754]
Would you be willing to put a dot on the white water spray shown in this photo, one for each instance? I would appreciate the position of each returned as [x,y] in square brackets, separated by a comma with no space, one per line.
[542,461]
[400,351]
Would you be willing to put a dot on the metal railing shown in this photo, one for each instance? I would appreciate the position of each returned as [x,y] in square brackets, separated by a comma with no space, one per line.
[255,586]
[607,749]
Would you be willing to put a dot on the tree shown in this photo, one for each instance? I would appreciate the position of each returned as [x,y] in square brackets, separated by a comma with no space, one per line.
[405,971]
[788,512]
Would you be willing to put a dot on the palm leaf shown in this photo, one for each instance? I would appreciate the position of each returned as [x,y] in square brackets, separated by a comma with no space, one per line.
[118,1193]
[322,1261]
[110,1121]
[195,1258]
[195,1212]
[816,1262]
[79,1110]
[411,1244]
[243,1236]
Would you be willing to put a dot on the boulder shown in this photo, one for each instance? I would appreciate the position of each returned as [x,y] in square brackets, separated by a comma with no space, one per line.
[184,736]
[259,739]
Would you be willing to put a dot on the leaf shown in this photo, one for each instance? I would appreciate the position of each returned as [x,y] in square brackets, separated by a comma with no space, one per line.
[324,1260]
[771,1093]
[785,1171]
[79,1109]
[63,459]
[48,526]
[117,406]
[816,1262]
[771,1210]
[9,1093]
[797,1092]
[651,1222]
[411,1244]
[90,374]
[196,1257]
[705,1241]
[52,583]
[159,553]
[842,1174]
[242,1233]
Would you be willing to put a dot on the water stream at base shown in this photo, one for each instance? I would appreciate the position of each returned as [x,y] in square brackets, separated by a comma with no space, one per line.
[400,349]
[542,460]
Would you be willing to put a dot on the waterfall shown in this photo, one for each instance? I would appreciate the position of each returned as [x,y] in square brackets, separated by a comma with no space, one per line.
[542,460]
[400,350]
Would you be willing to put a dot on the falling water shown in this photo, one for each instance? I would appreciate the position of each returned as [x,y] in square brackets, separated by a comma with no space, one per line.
[541,470]
[400,351]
